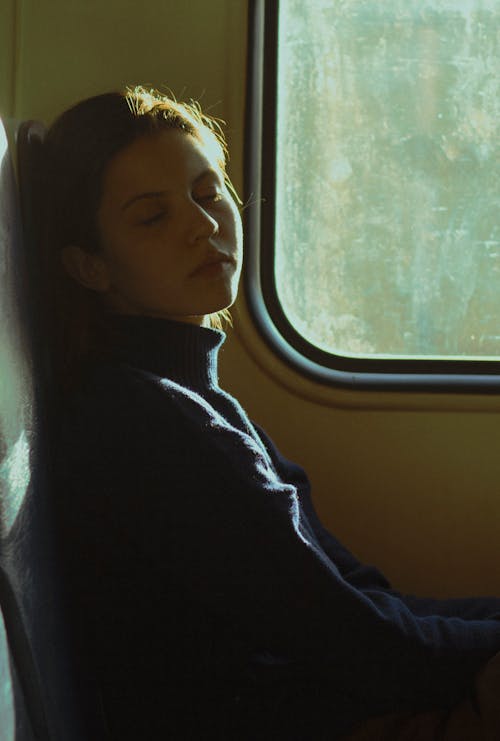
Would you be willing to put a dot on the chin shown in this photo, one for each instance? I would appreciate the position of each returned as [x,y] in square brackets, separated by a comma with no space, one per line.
[224,300]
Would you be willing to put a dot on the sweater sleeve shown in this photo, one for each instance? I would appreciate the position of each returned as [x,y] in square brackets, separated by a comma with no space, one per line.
[365,576]
[200,500]
[361,576]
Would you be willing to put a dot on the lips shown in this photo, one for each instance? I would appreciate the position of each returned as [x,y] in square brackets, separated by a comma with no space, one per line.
[214,259]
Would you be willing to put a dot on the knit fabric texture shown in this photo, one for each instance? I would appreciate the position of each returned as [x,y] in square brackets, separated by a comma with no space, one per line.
[207,598]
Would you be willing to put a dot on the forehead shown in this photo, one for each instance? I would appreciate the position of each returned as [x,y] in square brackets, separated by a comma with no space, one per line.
[160,161]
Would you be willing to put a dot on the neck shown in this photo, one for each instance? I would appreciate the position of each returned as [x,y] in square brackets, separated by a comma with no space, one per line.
[183,352]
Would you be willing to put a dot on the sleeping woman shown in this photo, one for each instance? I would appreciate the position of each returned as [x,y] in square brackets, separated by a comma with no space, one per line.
[207,599]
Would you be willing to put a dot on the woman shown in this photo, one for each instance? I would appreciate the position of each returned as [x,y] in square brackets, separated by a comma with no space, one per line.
[207,597]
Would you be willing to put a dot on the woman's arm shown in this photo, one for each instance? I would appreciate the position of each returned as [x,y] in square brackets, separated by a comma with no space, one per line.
[201,503]
[477,718]
[367,577]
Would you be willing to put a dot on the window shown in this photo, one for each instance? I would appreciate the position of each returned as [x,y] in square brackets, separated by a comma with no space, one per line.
[380,181]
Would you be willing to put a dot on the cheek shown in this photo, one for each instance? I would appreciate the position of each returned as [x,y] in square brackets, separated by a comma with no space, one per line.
[235,227]
[239,240]
[146,270]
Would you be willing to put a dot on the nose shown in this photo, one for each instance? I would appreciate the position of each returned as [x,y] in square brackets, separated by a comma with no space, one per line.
[202,223]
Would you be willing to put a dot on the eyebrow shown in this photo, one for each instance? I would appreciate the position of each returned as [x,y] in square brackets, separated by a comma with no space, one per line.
[161,193]
[140,196]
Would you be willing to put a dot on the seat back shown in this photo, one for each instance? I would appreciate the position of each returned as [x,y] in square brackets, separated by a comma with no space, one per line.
[38,695]
[22,715]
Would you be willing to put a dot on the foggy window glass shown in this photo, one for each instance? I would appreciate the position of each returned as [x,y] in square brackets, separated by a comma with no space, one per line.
[388,175]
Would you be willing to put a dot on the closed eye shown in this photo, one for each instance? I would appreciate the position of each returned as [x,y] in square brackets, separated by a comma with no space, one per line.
[154,218]
[210,197]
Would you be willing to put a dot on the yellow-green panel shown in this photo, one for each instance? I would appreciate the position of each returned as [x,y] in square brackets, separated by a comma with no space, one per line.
[7,56]
[71,49]
[413,492]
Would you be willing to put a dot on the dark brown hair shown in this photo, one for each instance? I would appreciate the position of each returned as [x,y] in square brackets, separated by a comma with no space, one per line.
[78,148]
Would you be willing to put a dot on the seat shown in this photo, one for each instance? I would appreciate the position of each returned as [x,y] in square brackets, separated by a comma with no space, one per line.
[39,698]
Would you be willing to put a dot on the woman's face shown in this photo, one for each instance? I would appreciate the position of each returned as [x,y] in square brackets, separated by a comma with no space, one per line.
[171,236]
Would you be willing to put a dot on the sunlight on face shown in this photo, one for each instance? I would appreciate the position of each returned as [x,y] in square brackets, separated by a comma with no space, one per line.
[171,233]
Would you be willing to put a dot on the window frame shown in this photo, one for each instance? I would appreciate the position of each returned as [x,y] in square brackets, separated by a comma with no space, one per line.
[441,375]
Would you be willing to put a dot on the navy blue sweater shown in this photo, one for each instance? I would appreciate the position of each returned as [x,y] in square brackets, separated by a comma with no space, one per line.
[207,597]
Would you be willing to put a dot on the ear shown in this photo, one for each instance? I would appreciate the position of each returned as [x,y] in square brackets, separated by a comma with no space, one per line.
[87,268]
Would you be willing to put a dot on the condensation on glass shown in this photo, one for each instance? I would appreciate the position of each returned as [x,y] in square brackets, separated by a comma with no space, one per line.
[388,176]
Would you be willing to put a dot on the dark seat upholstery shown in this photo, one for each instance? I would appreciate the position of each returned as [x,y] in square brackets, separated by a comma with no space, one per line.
[38,680]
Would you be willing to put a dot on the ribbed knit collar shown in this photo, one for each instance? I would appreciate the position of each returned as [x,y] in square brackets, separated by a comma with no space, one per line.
[182,352]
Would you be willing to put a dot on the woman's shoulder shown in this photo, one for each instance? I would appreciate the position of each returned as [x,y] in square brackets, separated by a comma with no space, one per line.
[106,388]
[118,387]
[114,402]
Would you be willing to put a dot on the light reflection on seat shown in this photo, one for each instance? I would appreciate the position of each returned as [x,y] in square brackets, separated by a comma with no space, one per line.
[7,713]
[16,393]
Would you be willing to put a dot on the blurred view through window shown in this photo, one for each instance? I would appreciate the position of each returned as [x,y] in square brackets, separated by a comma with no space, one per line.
[388,175]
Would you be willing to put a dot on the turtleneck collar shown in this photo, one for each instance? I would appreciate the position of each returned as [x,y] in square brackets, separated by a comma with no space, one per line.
[184,353]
